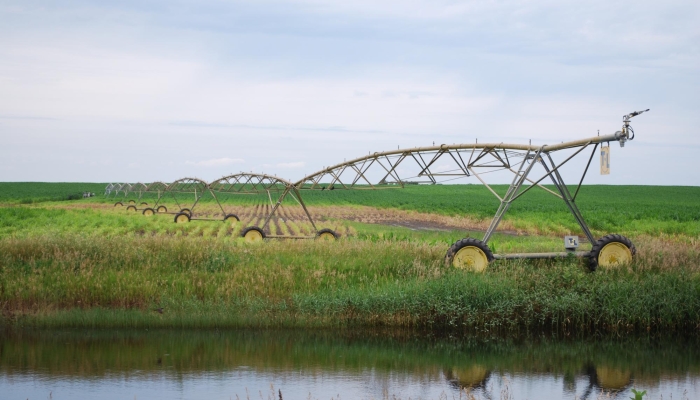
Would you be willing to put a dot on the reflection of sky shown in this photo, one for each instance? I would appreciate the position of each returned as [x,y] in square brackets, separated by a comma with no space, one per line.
[246,383]
[158,90]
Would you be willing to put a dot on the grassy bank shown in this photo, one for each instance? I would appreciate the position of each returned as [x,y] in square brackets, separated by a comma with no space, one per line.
[85,263]
[74,280]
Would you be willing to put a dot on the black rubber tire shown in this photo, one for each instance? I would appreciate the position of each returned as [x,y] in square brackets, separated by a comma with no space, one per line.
[132,201]
[119,203]
[186,210]
[131,208]
[602,242]
[467,242]
[326,230]
[252,228]
[231,216]
[143,203]
[162,209]
[181,214]
[148,212]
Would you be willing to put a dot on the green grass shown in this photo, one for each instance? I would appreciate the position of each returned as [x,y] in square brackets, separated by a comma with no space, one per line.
[39,192]
[84,263]
[628,210]
[638,209]
[80,281]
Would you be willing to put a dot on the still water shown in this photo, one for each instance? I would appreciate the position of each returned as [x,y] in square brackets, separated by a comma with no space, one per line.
[330,365]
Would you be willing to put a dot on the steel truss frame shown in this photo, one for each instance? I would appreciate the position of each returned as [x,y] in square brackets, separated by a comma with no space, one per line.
[135,189]
[194,186]
[109,188]
[473,159]
[115,189]
[143,189]
[124,189]
[251,183]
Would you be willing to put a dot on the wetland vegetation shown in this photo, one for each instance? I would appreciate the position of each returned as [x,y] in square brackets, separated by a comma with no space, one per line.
[85,263]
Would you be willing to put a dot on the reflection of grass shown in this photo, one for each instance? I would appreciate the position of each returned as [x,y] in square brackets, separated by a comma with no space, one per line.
[98,353]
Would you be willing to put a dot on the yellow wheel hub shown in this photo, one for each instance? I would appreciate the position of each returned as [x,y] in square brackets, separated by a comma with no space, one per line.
[148,213]
[131,208]
[162,209]
[182,218]
[614,253]
[470,258]
[253,236]
[327,236]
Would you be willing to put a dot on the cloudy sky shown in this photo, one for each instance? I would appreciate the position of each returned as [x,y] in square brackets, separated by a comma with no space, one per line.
[157,90]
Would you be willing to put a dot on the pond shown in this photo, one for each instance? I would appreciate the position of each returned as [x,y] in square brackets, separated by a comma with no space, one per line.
[277,365]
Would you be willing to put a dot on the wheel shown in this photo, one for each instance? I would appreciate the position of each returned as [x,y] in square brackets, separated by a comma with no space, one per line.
[611,250]
[471,254]
[148,212]
[181,218]
[132,201]
[253,234]
[131,208]
[118,204]
[162,209]
[327,234]
[143,203]
[187,211]
[231,217]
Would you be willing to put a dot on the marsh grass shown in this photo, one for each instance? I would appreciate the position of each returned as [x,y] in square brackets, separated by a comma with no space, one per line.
[84,280]
[87,263]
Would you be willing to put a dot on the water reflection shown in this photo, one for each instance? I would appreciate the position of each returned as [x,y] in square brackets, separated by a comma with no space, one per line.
[600,379]
[167,364]
[471,379]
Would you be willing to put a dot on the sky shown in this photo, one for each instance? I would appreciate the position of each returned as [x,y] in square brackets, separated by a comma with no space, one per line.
[142,91]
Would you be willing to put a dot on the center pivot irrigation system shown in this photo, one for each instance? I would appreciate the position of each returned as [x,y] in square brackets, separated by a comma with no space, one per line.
[529,166]
[429,164]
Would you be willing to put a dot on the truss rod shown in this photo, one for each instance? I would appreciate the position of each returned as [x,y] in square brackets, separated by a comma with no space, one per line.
[549,173]
[510,196]
[585,171]
[566,195]
[485,184]
[540,186]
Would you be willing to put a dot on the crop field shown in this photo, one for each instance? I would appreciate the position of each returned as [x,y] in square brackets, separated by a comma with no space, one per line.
[31,192]
[84,262]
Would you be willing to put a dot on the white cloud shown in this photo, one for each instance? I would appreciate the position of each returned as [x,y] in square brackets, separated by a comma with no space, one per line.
[216,162]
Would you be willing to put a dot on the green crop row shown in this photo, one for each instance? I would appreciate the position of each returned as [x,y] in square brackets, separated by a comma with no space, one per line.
[626,210]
